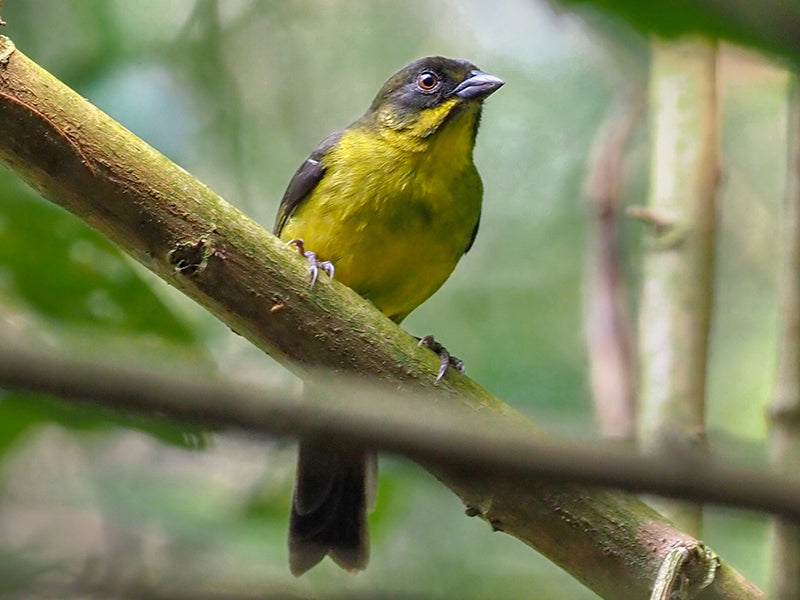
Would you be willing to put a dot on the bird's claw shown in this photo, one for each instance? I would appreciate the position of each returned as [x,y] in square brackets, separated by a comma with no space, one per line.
[314,263]
[317,264]
[447,360]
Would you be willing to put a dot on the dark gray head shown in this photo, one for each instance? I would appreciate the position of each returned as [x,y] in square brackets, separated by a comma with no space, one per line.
[430,81]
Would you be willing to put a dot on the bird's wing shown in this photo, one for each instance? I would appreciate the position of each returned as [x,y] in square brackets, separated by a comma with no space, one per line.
[478,183]
[304,181]
[474,234]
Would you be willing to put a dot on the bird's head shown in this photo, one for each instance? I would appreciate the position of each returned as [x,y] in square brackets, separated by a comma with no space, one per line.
[420,98]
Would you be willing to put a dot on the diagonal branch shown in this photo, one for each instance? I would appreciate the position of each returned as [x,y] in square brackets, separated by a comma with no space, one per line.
[80,159]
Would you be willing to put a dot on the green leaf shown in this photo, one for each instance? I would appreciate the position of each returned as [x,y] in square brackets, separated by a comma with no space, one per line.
[54,266]
[72,289]
[769,25]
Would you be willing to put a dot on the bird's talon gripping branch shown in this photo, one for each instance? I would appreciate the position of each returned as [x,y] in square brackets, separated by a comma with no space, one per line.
[298,243]
[314,263]
[447,360]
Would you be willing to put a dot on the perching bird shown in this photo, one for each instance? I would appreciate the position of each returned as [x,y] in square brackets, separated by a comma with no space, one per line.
[392,203]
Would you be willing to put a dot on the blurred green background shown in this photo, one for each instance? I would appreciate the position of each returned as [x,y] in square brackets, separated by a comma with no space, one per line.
[238,92]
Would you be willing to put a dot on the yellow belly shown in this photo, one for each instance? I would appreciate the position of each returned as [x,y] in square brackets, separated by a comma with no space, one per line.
[395,233]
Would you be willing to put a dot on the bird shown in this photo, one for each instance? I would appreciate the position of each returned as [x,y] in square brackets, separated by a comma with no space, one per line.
[388,206]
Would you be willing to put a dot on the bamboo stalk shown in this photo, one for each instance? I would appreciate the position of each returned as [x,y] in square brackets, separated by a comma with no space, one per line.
[612,364]
[675,311]
[785,409]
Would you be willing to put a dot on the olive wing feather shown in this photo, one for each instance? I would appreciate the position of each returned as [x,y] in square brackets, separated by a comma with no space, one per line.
[304,181]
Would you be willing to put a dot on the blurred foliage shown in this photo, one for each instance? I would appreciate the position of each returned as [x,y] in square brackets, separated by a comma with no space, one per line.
[770,25]
[65,285]
[238,92]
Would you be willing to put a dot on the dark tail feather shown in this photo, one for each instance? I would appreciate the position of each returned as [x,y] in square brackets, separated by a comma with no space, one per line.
[329,507]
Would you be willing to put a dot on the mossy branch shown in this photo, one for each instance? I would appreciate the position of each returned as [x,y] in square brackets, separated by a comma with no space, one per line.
[79,158]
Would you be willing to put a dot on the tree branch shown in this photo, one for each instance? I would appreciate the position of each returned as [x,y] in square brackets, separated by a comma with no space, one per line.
[442,436]
[79,158]
[609,340]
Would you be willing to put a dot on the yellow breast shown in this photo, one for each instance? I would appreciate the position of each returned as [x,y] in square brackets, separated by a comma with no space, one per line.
[394,212]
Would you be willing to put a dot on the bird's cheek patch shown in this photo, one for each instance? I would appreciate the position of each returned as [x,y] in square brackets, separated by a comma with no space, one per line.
[430,119]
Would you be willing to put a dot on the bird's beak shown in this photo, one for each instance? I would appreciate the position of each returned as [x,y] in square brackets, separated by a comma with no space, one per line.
[477,86]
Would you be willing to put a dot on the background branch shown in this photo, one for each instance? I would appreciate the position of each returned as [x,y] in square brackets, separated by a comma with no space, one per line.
[608,332]
[785,409]
[439,436]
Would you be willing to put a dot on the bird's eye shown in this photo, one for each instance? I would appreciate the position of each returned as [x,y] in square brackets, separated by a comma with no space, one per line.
[427,81]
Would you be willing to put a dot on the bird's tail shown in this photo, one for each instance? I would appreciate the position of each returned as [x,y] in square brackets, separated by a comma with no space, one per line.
[329,506]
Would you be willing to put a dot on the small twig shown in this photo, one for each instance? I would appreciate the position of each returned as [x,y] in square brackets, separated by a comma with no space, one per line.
[659,221]
[666,232]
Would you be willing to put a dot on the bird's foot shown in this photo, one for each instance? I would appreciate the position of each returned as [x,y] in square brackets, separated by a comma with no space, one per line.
[314,263]
[447,360]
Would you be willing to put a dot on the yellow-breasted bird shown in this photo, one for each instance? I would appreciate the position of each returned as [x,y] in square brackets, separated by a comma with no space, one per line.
[392,202]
